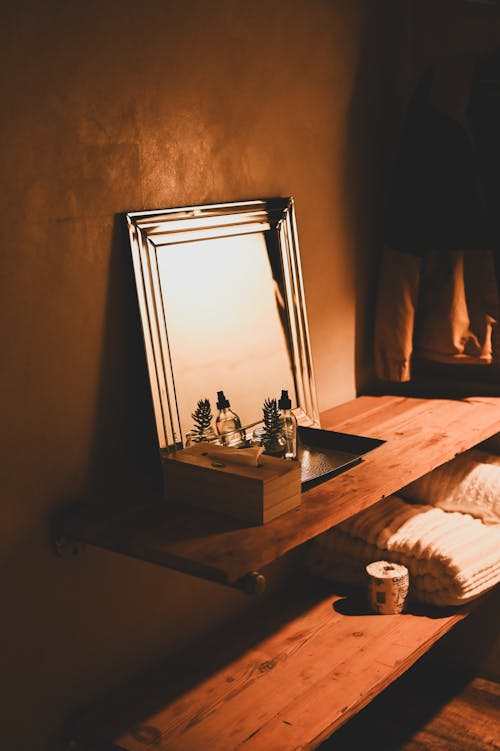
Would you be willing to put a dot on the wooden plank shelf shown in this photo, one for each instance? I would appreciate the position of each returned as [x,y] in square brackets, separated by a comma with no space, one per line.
[420,434]
[283,677]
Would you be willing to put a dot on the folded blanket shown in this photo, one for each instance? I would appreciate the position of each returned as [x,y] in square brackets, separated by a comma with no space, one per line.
[452,557]
[470,483]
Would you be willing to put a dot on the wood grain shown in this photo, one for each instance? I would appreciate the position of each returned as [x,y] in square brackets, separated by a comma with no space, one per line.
[469,721]
[249,493]
[293,672]
[420,434]
[429,709]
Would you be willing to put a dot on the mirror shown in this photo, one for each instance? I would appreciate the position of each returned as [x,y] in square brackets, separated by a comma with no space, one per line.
[222,308]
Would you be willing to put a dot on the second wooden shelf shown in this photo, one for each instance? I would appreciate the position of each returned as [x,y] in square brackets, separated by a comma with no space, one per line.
[285,676]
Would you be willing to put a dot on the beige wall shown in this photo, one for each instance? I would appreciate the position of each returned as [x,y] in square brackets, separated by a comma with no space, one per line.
[109,106]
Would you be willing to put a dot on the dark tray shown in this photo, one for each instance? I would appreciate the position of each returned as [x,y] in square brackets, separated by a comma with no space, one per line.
[326,453]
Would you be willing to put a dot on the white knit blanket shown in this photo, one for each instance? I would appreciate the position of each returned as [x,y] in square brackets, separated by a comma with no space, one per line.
[470,483]
[451,557]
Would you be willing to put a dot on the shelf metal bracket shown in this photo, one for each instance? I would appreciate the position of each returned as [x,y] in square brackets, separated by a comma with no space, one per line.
[253,583]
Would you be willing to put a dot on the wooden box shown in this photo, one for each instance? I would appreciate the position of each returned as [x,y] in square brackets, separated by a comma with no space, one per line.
[253,494]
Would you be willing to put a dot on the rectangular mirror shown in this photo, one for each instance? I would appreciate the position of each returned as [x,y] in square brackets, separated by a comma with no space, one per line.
[222,308]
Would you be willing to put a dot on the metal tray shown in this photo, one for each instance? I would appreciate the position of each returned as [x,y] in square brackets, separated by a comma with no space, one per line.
[326,453]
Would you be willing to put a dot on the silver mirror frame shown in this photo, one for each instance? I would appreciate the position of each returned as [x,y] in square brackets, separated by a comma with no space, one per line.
[149,231]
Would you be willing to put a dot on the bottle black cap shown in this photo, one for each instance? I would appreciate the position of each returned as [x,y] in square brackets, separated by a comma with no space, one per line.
[284,402]
[222,402]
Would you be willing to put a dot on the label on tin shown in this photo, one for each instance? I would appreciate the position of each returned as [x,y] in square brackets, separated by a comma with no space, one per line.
[387,587]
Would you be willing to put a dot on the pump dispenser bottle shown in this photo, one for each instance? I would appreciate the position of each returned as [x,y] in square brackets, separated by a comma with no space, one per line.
[288,425]
[228,423]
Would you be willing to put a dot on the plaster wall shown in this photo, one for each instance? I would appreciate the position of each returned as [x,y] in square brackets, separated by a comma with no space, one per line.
[110,106]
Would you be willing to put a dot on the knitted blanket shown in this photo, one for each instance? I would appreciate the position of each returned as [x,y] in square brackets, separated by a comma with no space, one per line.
[470,483]
[452,557]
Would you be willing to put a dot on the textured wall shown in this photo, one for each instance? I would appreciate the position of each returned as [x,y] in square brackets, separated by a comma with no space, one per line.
[110,106]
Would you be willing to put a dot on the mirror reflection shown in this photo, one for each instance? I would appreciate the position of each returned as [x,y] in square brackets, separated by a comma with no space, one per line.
[222,309]
[226,316]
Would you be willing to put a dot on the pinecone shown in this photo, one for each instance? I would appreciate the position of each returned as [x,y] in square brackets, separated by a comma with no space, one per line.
[202,417]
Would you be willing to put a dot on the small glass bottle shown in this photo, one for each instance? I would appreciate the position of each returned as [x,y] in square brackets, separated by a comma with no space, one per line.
[228,423]
[288,425]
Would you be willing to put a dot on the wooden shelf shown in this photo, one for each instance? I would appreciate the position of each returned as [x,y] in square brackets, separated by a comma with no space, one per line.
[286,676]
[298,665]
[420,434]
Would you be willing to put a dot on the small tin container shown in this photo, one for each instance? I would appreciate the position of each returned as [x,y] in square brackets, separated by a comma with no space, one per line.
[387,587]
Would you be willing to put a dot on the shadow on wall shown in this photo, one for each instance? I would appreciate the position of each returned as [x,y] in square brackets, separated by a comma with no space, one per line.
[372,123]
[415,35]
[125,458]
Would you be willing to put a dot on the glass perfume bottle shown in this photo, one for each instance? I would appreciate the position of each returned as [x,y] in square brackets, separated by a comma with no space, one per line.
[227,423]
[288,425]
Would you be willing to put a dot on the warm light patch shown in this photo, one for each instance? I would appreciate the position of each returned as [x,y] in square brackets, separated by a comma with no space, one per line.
[224,316]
